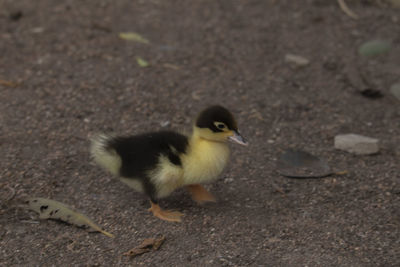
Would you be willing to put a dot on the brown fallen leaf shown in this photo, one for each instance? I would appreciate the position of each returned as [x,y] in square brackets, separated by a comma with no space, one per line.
[147,245]
[255,114]
[278,189]
[341,173]
[9,83]
[51,209]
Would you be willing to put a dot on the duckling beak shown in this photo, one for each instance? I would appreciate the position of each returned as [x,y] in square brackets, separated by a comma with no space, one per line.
[238,138]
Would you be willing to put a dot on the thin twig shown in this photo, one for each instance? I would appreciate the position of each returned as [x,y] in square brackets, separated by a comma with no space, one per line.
[171,66]
[347,10]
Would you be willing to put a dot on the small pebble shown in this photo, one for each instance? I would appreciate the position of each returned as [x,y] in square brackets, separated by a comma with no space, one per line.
[395,90]
[228,180]
[357,144]
[37,30]
[165,123]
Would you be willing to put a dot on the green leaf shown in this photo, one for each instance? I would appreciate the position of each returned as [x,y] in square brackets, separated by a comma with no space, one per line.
[133,36]
[141,62]
[374,48]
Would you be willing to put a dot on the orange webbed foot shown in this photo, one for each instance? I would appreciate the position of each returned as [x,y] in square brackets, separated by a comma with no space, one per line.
[166,215]
[200,194]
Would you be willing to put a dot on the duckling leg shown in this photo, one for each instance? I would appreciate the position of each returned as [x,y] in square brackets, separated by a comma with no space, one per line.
[200,194]
[171,216]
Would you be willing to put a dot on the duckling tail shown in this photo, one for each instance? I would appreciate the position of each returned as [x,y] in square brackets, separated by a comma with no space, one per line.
[103,154]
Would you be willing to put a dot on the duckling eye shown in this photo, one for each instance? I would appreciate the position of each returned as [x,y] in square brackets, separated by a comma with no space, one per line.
[220,125]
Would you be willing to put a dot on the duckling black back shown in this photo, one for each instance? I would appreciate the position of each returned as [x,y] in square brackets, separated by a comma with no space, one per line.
[140,154]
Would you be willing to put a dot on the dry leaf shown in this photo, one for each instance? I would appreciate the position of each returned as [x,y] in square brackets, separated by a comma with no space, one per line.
[51,209]
[255,114]
[347,10]
[301,164]
[8,83]
[133,36]
[147,245]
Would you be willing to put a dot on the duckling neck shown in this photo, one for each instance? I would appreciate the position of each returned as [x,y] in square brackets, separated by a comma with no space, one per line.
[205,159]
[199,141]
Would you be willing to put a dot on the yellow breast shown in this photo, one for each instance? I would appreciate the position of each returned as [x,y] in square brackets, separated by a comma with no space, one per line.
[204,161]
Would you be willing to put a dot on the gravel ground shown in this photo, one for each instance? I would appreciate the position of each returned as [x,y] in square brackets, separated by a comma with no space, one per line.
[74,76]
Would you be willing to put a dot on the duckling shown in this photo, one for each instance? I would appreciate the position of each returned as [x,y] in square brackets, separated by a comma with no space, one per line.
[157,163]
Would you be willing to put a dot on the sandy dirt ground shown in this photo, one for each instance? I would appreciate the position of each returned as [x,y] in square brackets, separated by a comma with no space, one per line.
[66,74]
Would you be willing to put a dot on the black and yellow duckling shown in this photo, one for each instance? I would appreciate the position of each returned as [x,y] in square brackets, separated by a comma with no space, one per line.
[160,162]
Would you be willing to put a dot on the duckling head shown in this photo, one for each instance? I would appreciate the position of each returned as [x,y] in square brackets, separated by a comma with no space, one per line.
[216,123]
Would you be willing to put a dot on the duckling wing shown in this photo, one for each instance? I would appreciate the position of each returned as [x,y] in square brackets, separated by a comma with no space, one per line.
[149,163]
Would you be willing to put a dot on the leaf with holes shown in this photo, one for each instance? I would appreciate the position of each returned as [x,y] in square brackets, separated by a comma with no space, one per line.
[51,209]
